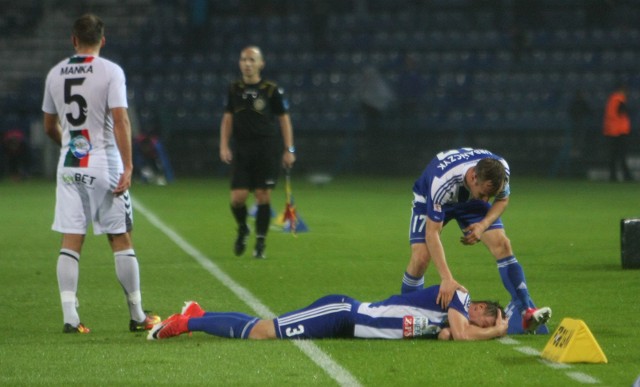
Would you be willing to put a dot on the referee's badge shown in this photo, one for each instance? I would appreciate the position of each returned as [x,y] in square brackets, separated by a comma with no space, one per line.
[259,104]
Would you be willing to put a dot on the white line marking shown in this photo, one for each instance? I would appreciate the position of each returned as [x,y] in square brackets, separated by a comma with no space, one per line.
[577,376]
[323,360]
[508,340]
[582,378]
[528,351]
[554,365]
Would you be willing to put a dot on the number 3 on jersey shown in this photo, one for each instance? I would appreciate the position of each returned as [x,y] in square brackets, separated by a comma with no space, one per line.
[294,331]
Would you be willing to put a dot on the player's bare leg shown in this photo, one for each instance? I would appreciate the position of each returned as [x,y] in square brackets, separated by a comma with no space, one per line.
[414,276]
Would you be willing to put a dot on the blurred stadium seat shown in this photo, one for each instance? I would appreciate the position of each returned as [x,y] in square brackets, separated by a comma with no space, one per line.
[475,75]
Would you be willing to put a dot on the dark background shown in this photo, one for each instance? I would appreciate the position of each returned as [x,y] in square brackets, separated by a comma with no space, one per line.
[494,74]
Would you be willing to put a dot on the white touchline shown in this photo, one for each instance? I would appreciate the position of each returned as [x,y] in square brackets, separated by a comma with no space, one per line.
[577,376]
[324,361]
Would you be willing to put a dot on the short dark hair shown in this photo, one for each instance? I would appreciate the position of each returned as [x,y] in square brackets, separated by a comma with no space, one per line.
[88,29]
[490,169]
[492,308]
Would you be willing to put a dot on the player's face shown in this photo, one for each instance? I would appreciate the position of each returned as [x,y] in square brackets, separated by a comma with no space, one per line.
[251,63]
[477,316]
[482,190]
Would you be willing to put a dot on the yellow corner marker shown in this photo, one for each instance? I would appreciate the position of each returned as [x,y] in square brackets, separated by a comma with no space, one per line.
[573,342]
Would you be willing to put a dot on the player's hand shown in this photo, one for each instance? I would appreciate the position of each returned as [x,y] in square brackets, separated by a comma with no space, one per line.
[472,234]
[502,323]
[124,183]
[445,334]
[288,159]
[226,156]
[447,288]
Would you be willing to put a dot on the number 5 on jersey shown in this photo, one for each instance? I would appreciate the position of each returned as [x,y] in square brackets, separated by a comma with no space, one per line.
[77,99]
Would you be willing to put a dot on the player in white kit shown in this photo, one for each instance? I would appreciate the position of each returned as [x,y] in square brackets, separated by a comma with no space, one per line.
[85,113]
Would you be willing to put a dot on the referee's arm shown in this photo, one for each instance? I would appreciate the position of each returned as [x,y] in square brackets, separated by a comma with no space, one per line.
[289,157]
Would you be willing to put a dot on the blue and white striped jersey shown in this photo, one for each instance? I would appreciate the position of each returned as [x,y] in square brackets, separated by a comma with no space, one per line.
[442,181]
[413,314]
[410,315]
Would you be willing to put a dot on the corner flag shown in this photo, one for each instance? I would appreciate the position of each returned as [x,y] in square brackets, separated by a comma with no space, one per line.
[289,219]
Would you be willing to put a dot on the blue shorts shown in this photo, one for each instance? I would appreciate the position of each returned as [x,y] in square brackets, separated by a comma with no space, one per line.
[328,317]
[464,213]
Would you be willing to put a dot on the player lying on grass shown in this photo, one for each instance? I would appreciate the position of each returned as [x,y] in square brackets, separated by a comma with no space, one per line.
[411,315]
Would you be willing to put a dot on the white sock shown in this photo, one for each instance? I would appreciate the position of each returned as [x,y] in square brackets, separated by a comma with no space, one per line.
[129,276]
[68,271]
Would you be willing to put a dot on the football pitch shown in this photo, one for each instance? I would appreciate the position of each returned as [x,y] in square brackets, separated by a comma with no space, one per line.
[566,234]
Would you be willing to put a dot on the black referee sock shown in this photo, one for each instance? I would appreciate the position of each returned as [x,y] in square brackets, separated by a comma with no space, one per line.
[240,214]
[263,218]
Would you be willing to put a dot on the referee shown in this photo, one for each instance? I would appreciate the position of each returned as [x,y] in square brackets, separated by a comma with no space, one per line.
[253,106]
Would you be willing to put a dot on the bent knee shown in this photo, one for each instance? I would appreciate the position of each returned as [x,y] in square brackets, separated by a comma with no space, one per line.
[263,330]
[499,245]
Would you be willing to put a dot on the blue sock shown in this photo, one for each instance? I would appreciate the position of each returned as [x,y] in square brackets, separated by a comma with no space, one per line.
[231,325]
[513,279]
[411,283]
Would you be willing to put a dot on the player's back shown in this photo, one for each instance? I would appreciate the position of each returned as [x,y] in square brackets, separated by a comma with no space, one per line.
[421,302]
[82,90]
[445,172]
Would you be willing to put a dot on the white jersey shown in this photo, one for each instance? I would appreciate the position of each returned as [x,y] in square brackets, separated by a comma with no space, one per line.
[82,90]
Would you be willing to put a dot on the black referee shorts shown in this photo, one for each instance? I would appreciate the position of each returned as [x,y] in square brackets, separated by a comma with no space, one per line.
[256,164]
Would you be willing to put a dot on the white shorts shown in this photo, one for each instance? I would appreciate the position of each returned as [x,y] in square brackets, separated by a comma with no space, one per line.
[84,196]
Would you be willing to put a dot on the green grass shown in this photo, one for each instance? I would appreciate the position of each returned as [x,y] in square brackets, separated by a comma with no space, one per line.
[565,234]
